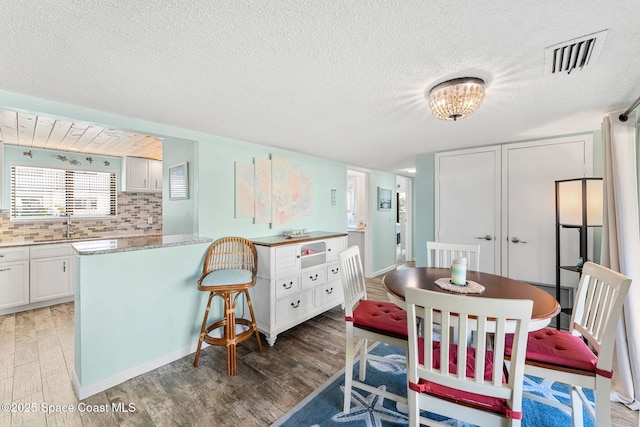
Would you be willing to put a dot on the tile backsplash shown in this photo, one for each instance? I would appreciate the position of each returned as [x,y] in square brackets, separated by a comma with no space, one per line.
[134,210]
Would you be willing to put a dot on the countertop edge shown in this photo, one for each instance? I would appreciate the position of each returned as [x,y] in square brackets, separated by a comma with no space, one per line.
[129,244]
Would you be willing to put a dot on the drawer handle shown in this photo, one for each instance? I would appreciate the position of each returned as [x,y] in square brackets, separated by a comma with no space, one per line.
[64,266]
[1,255]
[329,291]
[295,304]
[5,269]
[287,286]
[335,270]
[313,278]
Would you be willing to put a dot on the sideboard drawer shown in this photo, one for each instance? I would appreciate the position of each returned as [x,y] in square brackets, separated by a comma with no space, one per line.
[333,272]
[287,286]
[294,307]
[313,278]
[329,293]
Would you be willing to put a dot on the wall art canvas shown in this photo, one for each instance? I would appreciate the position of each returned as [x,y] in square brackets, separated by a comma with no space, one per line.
[244,190]
[292,196]
[262,208]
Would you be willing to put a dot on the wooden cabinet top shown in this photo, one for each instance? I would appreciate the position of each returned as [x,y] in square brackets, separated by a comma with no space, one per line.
[283,240]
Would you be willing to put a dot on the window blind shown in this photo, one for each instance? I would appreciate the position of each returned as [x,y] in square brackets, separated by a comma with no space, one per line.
[50,193]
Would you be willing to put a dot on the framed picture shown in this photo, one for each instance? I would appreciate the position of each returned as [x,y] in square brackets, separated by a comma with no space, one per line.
[384,199]
[179,181]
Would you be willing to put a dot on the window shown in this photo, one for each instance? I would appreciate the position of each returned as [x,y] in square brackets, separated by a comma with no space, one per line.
[41,193]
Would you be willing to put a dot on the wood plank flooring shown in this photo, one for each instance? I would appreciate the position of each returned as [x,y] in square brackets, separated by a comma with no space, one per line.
[36,358]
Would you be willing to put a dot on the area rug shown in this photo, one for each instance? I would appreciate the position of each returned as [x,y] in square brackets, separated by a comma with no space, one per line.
[324,406]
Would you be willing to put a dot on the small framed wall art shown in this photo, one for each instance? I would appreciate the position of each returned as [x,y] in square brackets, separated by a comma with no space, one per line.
[384,199]
[179,181]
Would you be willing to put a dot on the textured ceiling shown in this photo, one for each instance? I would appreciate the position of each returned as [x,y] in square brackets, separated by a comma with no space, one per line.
[343,80]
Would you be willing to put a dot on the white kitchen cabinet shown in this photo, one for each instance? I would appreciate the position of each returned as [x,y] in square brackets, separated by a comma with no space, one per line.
[51,272]
[297,280]
[14,277]
[141,175]
[155,175]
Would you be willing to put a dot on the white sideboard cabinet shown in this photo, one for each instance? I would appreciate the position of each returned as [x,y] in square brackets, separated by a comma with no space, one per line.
[297,280]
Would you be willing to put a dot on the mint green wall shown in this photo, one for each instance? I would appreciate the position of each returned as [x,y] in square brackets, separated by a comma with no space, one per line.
[424,193]
[213,171]
[382,223]
[217,203]
[13,155]
[424,196]
[134,307]
[179,216]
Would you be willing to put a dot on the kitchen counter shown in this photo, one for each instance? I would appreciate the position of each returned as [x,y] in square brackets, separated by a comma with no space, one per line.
[135,243]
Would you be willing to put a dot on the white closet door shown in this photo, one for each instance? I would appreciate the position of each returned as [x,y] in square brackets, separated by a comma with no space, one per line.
[467,196]
[529,172]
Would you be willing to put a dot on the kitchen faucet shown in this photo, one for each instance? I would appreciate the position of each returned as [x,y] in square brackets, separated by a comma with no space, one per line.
[69,233]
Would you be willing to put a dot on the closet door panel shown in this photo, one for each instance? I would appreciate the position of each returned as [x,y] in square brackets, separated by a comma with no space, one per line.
[529,172]
[468,201]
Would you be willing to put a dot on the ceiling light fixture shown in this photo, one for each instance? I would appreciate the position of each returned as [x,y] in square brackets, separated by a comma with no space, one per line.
[457,98]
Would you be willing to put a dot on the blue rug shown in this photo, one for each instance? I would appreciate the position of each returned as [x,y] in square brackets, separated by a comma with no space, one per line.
[324,406]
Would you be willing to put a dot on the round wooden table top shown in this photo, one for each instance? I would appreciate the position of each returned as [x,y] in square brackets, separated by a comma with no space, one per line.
[545,307]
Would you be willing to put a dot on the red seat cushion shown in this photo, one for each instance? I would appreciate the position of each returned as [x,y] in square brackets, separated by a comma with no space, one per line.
[382,317]
[489,403]
[558,348]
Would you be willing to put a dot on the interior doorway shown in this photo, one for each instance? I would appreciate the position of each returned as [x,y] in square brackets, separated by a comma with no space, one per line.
[403,220]
[358,215]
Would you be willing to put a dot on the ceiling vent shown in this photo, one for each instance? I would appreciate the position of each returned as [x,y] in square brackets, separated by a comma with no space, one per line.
[574,54]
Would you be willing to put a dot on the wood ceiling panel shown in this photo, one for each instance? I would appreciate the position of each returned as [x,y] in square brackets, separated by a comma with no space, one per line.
[33,131]
[9,127]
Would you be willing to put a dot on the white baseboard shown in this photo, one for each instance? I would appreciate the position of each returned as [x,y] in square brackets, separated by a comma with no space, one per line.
[383,271]
[84,391]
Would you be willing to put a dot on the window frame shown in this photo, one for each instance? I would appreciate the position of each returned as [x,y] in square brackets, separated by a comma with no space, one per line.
[70,193]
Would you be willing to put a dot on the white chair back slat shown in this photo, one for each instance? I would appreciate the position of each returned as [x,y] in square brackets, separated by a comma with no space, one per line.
[458,315]
[354,287]
[440,255]
[597,306]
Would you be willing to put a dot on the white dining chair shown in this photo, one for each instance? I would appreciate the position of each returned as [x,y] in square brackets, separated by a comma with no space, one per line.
[583,356]
[442,254]
[477,390]
[367,321]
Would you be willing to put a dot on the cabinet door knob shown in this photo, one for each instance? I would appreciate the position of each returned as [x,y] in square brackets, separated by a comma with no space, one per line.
[64,266]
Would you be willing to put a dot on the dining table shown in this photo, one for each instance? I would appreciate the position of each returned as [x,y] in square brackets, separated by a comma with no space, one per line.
[545,306]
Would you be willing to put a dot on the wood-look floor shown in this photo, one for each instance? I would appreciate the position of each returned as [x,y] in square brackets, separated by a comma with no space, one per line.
[36,358]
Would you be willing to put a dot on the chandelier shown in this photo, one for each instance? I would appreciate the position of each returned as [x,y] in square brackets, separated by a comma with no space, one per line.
[457,98]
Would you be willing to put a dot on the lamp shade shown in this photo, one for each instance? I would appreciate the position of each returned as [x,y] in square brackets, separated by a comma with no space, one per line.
[457,98]
[580,201]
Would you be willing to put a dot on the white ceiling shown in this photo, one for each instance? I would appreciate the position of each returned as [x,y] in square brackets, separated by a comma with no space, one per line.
[343,80]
